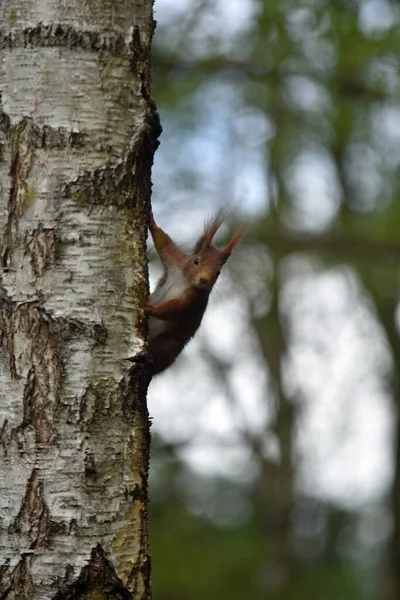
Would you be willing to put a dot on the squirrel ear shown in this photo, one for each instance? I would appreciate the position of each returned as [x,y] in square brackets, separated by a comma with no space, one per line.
[160,238]
[210,230]
[236,239]
[166,249]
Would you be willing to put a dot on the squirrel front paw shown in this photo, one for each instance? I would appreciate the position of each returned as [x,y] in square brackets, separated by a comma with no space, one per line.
[150,309]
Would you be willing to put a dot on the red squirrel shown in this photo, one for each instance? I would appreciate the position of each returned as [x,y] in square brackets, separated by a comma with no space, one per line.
[178,303]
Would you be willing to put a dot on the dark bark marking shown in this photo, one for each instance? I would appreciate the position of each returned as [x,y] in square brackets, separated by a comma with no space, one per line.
[16,584]
[97,576]
[137,385]
[138,52]
[5,122]
[42,137]
[25,138]
[7,330]
[63,36]
[42,388]
[21,162]
[101,398]
[142,567]
[118,184]
[137,202]
[5,436]
[41,245]
[90,465]
[35,412]
[43,383]
[141,64]
[74,328]
[33,518]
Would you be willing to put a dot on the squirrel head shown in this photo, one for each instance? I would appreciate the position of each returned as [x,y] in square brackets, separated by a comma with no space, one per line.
[206,262]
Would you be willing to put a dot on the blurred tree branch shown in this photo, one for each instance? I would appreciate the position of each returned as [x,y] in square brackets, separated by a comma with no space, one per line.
[342,246]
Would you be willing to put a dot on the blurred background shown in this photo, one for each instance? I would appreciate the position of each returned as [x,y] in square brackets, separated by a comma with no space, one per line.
[276,436]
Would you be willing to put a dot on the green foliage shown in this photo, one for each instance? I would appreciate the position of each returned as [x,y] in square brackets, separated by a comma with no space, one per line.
[193,557]
[291,115]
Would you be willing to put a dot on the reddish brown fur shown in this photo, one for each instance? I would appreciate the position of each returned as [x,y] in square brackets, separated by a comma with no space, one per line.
[175,320]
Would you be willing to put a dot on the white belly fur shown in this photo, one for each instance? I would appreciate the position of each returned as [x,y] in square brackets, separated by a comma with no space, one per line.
[175,286]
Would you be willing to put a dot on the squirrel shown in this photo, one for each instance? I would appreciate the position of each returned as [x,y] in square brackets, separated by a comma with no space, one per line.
[177,305]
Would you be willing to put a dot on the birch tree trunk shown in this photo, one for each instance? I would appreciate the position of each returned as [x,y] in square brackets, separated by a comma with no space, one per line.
[77,134]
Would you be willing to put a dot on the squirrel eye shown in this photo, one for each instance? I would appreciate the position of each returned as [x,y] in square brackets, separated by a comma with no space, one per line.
[196,261]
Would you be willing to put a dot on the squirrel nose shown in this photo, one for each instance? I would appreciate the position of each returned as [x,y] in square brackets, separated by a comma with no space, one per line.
[203,280]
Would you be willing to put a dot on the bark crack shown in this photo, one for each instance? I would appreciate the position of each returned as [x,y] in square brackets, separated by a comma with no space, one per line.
[97,576]
[43,382]
[67,36]
[33,519]
[21,163]
[42,388]
[45,137]
[41,245]
[16,584]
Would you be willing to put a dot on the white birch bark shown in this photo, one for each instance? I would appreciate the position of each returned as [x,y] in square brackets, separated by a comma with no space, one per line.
[77,136]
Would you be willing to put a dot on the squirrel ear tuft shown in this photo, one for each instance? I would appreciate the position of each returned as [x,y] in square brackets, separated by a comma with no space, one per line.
[210,229]
[236,239]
